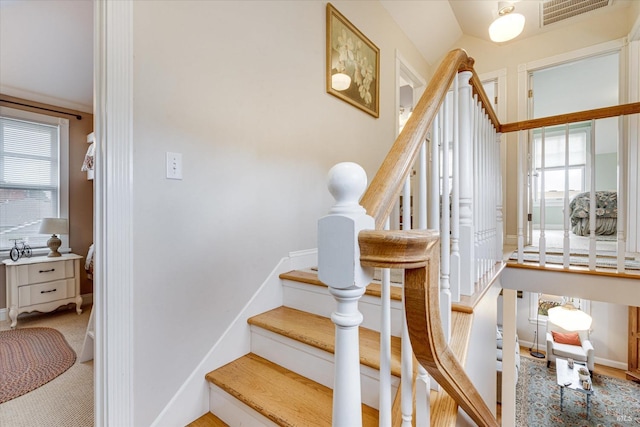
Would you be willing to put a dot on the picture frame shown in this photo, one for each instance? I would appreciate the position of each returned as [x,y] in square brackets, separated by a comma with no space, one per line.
[353,64]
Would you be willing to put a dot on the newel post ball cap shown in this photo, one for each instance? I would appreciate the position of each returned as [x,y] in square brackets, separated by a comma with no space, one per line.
[347,182]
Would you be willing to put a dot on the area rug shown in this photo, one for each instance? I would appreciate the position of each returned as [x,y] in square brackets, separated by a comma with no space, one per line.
[30,358]
[615,403]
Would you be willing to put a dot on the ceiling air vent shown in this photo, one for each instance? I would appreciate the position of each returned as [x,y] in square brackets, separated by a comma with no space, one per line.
[559,10]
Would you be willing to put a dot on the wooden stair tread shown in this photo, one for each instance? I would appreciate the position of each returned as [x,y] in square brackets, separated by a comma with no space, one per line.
[319,332]
[284,397]
[311,278]
[208,420]
[374,289]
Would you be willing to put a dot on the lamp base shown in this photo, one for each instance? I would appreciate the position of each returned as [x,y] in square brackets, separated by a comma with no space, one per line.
[537,354]
[53,244]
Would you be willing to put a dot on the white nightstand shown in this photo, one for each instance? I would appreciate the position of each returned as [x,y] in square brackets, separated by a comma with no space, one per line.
[42,284]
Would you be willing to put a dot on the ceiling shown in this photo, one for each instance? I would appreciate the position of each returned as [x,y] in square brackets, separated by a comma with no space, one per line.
[58,34]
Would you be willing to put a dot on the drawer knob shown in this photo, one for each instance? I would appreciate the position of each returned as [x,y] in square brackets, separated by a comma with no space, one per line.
[47,271]
[46,292]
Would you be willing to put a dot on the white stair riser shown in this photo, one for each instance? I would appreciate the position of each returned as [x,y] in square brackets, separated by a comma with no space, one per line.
[312,363]
[234,412]
[317,300]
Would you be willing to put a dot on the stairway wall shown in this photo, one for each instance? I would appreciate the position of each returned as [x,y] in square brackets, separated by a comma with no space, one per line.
[239,89]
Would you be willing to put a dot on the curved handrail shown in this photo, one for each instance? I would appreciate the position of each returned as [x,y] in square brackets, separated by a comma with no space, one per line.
[417,251]
[386,185]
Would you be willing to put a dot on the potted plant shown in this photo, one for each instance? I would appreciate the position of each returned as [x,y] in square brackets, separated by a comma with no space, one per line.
[583,373]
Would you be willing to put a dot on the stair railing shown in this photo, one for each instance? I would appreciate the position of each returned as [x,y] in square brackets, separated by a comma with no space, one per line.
[539,129]
[464,129]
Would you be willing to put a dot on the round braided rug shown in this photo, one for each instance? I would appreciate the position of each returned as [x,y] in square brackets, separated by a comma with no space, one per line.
[30,358]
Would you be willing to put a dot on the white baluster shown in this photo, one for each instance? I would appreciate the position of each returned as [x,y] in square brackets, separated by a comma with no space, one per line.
[339,268]
[543,206]
[622,204]
[423,398]
[385,405]
[592,197]
[467,257]
[454,263]
[521,193]
[421,201]
[566,248]
[406,379]
[499,254]
[445,289]
[434,176]
[477,137]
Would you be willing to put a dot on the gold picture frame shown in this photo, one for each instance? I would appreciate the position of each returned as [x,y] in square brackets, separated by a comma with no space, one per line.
[353,64]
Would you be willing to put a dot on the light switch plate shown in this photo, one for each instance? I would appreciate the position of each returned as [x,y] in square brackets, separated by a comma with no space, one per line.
[174,165]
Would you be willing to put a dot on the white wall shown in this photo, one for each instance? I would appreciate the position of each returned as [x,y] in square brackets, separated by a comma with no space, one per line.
[239,89]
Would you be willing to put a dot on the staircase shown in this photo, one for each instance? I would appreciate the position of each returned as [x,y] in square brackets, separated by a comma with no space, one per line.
[286,378]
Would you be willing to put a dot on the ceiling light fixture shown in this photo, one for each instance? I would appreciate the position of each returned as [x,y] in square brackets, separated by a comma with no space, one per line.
[508,25]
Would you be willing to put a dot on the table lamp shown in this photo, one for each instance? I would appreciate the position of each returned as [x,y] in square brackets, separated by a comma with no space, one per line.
[54,226]
[569,318]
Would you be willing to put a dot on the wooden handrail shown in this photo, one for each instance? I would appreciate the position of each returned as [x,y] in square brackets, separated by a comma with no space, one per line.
[387,184]
[418,252]
[580,116]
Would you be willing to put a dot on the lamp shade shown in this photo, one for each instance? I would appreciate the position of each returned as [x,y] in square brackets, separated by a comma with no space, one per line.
[54,226]
[570,318]
[506,27]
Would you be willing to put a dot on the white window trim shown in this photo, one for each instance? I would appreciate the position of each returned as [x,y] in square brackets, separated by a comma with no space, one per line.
[63,184]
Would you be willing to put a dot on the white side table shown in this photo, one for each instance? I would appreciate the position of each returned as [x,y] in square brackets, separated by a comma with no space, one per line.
[42,284]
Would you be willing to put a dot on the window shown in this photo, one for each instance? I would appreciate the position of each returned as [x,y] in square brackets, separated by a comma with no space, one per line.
[555,161]
[33,175]
[539,305]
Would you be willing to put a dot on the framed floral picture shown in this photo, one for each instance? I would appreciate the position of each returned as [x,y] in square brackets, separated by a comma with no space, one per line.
[353,64]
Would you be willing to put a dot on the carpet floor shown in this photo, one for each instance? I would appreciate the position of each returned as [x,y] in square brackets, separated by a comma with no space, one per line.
[65,401]
[615,403]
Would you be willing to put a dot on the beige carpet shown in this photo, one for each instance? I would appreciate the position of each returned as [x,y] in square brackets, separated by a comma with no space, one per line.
[66,401]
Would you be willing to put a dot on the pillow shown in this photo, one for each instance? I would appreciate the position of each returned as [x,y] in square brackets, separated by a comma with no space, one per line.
[571,338]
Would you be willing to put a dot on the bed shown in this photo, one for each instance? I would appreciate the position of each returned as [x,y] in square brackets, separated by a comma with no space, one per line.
[606,213]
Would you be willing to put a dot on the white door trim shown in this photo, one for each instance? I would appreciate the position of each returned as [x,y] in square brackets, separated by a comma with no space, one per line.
[113,276]
[407,72]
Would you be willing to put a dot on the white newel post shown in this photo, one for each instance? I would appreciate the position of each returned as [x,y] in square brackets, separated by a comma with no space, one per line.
[467,259]
[339,268]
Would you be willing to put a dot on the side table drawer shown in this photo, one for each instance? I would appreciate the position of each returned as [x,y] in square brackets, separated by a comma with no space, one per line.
[45,292]
[44,272]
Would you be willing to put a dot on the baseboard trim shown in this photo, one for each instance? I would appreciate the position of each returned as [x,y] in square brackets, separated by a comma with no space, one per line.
[511,239]
[599,360]
[611,363]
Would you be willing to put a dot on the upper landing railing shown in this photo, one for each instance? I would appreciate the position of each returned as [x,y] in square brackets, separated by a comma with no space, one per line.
[589,209]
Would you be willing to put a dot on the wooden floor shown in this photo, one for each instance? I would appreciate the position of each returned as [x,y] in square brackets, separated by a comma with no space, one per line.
[598,369]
